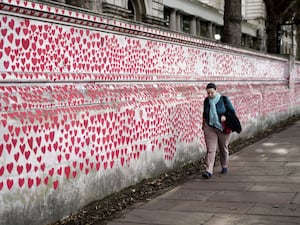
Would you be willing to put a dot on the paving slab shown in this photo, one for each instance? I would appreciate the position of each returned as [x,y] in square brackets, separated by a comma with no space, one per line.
[198,206]
[252,196]
[261,188]
[295,178]
[263,170]
[220,186]
[254,162]
[274,153]
[270,187]
[164,217]
[184,194]
[295,164]
[251,220]
[291,210]
[296,200]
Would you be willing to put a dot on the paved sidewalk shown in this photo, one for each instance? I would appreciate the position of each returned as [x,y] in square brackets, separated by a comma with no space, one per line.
[262,187]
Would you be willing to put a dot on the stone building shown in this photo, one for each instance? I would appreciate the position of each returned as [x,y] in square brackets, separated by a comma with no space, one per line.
[203,18]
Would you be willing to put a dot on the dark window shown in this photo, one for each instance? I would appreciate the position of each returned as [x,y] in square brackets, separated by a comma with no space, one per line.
[132,14]
[167,15]
[185,23]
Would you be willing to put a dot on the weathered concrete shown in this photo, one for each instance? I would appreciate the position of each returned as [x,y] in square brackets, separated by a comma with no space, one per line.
[253,192]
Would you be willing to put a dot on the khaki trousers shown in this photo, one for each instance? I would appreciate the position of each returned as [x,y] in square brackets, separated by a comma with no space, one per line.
[214,139]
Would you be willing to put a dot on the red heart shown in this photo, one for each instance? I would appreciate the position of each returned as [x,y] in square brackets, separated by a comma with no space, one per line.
[112,164]
[27,154]
[105,165]
[51,136]
[28,167]
[22,147]
[76,150]
[33,28]
[6,137]
[38,140]
[1,149]
[25,43]
[10,38]
[98,166]
[81,166]
[67,171]
[30,142]
[4,32]
[74,163]
[30,182]
[43,167]
[21,182]
[59,171]
[7,50]
[17,131]
[16,156]
[46,180]
[55,146]
[43,148]
[51,171]
[1,170]
[38,181]
[9,167]
[9,183]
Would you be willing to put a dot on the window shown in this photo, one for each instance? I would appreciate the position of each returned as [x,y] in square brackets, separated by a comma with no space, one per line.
[132,14]
[185,23]
[167,16]
[137,9]
[218,33]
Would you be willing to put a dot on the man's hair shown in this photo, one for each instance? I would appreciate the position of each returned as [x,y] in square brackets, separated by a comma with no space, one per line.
[211,85]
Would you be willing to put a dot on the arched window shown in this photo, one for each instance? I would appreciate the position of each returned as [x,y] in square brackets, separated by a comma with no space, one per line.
[132,10]
[137,9]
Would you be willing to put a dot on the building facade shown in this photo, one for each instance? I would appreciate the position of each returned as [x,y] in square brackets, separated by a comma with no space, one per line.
[197,18]
[202,18]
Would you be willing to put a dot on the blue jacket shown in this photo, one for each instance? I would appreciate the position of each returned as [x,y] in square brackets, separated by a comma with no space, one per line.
[224,107]
[220,106]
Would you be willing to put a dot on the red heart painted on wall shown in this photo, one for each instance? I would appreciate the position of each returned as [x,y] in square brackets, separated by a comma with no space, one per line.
[25,43]
[38,181]
[9,183]
[55,184]
[1,170]
[21,182]
[28,167]
[30,182]
[9,167]
[67,171]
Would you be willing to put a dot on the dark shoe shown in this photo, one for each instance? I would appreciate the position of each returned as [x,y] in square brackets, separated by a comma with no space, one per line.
[206,175]
[224,170]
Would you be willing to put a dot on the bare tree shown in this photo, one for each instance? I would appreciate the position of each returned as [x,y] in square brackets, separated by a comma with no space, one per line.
[297,23]
[232,22]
